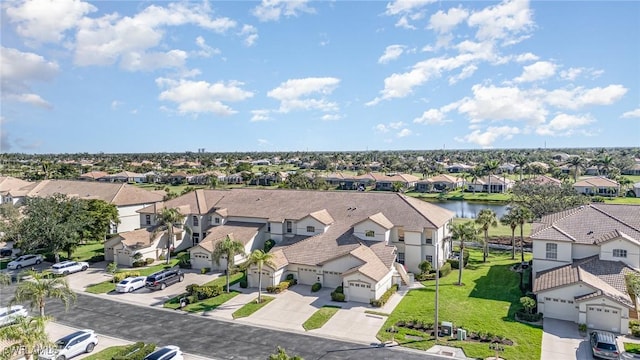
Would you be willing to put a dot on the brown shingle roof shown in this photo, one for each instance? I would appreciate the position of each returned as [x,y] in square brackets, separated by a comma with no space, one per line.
[236,230]
[117,194]
[380,219]
[140,238]
[596,181]
[323,216]
[10,183]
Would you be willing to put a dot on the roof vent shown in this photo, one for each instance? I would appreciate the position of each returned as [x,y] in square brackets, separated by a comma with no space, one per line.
[590,232]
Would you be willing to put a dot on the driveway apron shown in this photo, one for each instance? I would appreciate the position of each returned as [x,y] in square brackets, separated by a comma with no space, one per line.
[562,341]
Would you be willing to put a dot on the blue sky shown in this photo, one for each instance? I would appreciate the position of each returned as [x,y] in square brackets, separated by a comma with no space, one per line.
[144,76]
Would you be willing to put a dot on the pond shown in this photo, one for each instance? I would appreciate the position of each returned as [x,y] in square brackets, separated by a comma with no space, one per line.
[467,209]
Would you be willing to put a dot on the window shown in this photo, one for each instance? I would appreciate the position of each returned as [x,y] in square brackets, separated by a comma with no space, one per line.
[195,220]
[552,251]
[196,237]
[268,227]
[147,219]
[370,233]
[429,258]
[289,227]
[620,253]
[400,234]
[311,229]
[216,220]
[428,241]
[401,258]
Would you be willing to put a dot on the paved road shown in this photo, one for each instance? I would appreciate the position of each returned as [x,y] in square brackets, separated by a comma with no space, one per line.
[206,337]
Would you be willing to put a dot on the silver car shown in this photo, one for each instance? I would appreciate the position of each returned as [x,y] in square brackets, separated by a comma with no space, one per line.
[604,345]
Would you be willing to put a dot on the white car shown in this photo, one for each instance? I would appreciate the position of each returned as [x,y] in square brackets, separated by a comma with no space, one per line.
[169,352]
[68,267]
[9,314]
[131,284]
[24,261]
[74,344]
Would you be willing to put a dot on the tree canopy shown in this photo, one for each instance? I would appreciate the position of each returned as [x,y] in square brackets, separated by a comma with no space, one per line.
[543,199]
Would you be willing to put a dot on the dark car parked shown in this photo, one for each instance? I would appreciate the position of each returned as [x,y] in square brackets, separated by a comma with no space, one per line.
[164,278]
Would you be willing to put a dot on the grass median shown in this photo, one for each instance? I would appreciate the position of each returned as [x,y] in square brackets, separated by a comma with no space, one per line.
[251,307]
[320,317]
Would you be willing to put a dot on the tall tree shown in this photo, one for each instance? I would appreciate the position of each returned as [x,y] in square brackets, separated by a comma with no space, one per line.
[577,163]
[490,167]
[522,215]
[227,249]
[39,287]
[167,220]
[55,223]
[27,334]
[462,232]
[509,220]
[101,216]
[486,218]
[260,259]
[543,199]
[521,162]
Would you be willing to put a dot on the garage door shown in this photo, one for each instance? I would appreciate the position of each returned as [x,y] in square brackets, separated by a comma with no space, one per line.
[360,292]
[200,261]
[603,318]
[253,278]
[562,309]
[332,279]
[307,276]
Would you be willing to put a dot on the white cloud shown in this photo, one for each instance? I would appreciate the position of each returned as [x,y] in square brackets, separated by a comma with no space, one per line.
[444,22]
[260,115]
[488,137]
[272,10]
[631,114]
[45,20]
[396,125]
[580,97]
[250,33]
[573,73]
[537,71]
[398,7]
[194,97]
[431,117]
[563,125]
[381,128]
[465,73]
[526,57]
[263,142]
[392,52]
[115,104]
[18,70]
[509,21]
[295,94]
[112,38]
[331,117]
[502,103]
[404,133]
[205,50]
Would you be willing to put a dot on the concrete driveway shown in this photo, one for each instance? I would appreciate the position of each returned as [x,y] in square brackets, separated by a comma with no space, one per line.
[562,341]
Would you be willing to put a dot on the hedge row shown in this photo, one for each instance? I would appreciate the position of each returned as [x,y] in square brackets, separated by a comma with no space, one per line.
[141,263]
[284,285]
[201,292]
[137,351]
[455,263]
[117,277]
[634,326]
[385,297]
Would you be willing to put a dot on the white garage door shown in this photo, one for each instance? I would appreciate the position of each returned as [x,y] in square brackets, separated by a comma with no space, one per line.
[307,276]
[254,279]
[332,279]
[200,261]
[603,318]
[562,309]
[360,292]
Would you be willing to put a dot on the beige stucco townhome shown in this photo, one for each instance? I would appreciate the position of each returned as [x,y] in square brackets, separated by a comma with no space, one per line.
[364,241]
[580,259]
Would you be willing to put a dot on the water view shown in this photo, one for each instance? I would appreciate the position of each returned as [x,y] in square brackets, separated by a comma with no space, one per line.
[466,209]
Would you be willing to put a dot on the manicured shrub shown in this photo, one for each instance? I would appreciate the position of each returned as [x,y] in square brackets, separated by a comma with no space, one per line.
[268,245]
[385,297]
[203,292]
[290,277]
[149,261]
[445,269]
[337,296]
[455,263]
[316,287]
[162,257]
[339,289]
[243,283]
[117,277]
[204,270]
[425,266]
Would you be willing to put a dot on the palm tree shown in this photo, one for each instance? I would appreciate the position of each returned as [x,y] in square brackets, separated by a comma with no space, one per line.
[577,163]
[260,258]
[40,287]
[27,335]
[522,216]
[486,218]
[605,163]
[227,249]
[462,232]
[509,220]
[490,166]
[166,221]
[521,161]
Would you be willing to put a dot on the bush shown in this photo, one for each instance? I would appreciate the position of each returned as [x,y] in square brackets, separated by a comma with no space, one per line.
[138,263]
[184,264]
[162,257]
[445,269]
[268,245]
[337,296]
[137,351]
[316,287]
[525,316]
[96,258]
[149,261]
[117,277]
[634,326]
[290,277]
[204,270]
[385,297]
[282,286]
[425,276]
[455,263]
[243,283]
[339,289]
[425,266]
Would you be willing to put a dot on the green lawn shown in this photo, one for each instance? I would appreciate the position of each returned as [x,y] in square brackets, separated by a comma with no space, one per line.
[501,230]
[320,317]
[486,303]
[108,286]
[87,252]
[107,354]
[252,307]
[632,348]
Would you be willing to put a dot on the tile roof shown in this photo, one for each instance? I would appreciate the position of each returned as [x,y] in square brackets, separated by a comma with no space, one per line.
[236,230]
[605,276]
[379,219]
[93,175]
[10,183]
[445,178]
[323,216]
[596,181]
[113,193]
[589,224]
[140,238]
